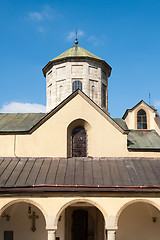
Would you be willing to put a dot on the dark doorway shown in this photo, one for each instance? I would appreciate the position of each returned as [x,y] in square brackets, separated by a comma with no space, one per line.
[8,235]
[79,225]
[79,142]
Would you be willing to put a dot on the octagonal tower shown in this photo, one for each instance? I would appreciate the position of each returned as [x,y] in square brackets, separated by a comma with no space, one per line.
[77,68]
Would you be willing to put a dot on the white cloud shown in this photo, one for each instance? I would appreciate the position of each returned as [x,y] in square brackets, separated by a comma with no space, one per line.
[35,16]
[41,29]
[47,12]
[97,40]
[39,18]
[72,35]
[18,107]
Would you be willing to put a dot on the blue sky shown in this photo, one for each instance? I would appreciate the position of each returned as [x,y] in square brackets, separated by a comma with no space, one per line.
[125,33]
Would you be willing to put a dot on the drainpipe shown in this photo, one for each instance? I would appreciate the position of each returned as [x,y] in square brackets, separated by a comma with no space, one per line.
[15,146]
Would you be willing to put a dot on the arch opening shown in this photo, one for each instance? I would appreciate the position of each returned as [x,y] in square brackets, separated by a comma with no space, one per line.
[22,220]
[139,220]
[81,221]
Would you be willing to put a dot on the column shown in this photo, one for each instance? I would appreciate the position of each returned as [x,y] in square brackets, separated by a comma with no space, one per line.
[111,234]
[111,227]
[51,234]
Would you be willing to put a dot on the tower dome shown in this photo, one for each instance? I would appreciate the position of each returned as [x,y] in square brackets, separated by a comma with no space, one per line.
[77,68]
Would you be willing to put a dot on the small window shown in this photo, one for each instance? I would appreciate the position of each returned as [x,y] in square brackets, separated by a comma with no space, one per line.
[79,142]
[76,84]
[103,95]
[93,90]
[141,119]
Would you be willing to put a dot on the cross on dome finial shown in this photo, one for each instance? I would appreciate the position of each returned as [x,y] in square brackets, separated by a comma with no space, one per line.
[76,41]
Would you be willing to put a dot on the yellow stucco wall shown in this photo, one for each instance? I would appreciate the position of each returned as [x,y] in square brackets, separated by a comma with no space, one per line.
[52,207]
[50,139]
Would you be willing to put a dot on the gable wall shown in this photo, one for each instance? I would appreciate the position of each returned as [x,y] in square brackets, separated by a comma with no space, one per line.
[50,139]
[131,118]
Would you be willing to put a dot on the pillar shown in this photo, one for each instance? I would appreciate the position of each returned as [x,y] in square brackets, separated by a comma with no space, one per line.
[111,227]
[51,234]
[111,234]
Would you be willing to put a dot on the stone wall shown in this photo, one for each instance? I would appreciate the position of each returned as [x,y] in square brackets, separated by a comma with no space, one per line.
[60,77]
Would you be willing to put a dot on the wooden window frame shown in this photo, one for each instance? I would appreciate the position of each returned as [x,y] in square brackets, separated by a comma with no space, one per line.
[141,122]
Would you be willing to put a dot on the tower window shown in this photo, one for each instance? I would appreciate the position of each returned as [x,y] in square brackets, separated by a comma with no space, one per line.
[76,84]
[93,88]
[103,95]
[141,119]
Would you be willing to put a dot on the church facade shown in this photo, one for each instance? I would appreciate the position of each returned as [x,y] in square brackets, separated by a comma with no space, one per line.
[75,173]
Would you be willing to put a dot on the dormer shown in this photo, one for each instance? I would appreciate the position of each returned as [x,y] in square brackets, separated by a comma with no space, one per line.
[142,117]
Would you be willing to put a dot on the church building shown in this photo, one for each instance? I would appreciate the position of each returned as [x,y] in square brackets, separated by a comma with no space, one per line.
[76,173]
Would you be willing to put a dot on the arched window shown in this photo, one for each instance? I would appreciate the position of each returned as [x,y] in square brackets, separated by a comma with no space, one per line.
[79,142]
[141,119]
[76,84]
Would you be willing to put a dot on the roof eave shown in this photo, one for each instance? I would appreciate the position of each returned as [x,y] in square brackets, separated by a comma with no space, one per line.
[136,149]
[78,188]
[51,63]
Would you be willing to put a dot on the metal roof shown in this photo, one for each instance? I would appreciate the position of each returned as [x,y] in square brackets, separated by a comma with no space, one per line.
[15,122]
[75,52]
[79,172]
[143,140]
[121,123]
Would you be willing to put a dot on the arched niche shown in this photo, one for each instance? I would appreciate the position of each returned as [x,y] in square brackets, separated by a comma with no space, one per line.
[78,124]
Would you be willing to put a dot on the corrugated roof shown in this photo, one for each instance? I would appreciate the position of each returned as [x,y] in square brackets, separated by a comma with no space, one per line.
[13,122]
[143,140]
[79,172]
